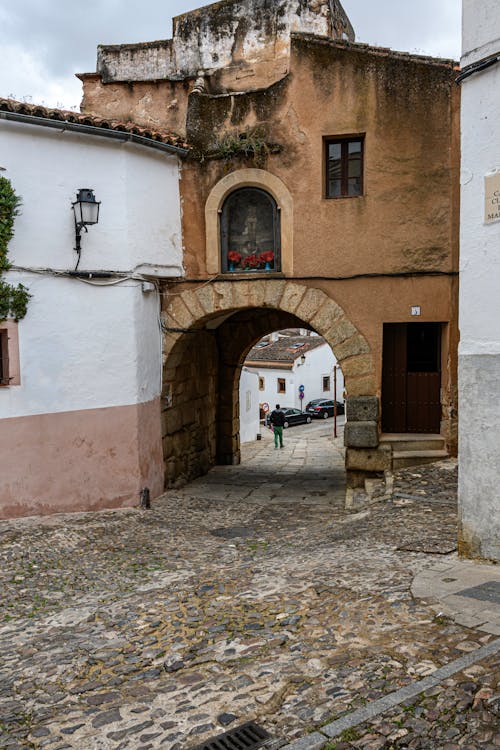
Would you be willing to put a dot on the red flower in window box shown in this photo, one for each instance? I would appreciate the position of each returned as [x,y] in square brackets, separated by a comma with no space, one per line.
[251,261]
[233,256]
[267,257]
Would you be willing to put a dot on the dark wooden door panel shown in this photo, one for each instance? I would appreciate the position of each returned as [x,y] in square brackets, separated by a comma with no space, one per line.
[411,382]
[423,413]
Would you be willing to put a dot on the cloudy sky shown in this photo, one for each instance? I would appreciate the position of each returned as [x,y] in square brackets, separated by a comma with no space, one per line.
[43,43]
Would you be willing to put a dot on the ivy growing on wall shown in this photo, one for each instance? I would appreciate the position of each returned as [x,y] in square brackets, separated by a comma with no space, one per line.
[13,299]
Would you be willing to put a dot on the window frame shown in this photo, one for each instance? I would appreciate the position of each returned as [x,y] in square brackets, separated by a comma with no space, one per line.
[224,229]
[344,142]
[281,382]
[4,358]
[326,378]
[262,383]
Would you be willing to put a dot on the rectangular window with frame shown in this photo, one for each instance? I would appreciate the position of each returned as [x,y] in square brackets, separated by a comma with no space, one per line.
[262,384]
[281,385]
[4,358]
[326,382]
[344,167]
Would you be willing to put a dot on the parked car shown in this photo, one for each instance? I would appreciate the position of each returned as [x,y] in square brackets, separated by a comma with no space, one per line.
[323,407]
[293,417]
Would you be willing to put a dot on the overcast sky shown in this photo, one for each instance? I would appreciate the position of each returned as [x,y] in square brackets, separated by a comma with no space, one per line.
[44,43]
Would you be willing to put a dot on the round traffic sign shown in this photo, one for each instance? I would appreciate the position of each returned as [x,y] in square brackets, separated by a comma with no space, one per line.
[301,395]
[301,388]
[265,407]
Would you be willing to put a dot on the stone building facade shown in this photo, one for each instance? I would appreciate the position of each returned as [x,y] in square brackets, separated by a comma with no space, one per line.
[336,161]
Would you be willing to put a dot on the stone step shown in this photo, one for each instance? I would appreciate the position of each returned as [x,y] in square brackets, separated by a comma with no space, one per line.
[414,442]
[403,459]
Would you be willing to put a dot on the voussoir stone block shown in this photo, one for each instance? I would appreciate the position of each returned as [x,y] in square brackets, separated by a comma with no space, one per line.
[292,297]
[362,409]
[361,435]
[341,330]
[180,314]
[241,295]
[326,315]
[352,347]
[273,293]
[312,300]
[205,296]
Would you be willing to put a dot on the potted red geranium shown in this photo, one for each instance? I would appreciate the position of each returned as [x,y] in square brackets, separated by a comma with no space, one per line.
[268,259]
[234,259]
[251,262]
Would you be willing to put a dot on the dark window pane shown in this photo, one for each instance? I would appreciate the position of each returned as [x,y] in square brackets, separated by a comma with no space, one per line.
[344,166]
[423,344]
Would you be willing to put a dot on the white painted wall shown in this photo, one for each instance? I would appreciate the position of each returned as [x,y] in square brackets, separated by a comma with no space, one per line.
[479,352]
[139,220]
[82,345]
[249,405]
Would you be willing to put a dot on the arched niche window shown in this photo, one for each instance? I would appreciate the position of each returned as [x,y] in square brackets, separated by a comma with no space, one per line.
[250,232]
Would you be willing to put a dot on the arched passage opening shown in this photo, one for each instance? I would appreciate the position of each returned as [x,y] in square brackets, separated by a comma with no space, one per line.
[208,332]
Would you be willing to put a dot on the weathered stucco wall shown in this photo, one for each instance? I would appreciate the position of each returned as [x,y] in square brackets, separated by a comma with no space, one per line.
[222,35]
[479,354]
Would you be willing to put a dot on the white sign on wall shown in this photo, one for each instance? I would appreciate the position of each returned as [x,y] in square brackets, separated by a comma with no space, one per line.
[492,198]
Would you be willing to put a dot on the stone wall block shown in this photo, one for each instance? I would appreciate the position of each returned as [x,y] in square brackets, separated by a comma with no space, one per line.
[292,297]
[364,385]
[362,409]
[352,347]
[361,435]
[310,304]
[369,459]
[362,364]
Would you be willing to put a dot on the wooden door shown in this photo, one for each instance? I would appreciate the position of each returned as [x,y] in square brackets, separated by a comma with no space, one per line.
[411,377]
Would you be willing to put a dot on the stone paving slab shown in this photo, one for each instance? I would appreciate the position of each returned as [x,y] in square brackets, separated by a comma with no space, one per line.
[127,629]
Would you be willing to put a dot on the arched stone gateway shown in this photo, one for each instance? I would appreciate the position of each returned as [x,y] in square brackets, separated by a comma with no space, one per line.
[208,332]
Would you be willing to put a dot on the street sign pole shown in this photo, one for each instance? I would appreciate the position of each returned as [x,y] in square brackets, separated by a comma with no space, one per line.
[334,400]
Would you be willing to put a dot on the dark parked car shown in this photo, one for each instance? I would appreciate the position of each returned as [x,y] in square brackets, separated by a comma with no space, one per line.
[293,416]
[323,407]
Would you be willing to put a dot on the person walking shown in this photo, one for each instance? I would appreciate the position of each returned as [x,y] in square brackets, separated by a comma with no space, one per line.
[277,419]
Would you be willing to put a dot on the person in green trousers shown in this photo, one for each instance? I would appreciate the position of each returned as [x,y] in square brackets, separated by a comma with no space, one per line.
[277,420]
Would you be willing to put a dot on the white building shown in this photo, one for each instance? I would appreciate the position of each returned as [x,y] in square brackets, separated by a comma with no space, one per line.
[479,353]
[249,405]
[80,405]
[291,365]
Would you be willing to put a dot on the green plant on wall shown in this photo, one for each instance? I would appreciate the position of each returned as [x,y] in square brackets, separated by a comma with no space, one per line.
[251,144]
[13,299]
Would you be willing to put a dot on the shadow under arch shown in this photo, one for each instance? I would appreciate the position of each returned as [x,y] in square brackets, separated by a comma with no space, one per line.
[208,332]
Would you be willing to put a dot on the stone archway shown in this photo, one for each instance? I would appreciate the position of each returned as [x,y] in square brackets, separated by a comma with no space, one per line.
[208,331]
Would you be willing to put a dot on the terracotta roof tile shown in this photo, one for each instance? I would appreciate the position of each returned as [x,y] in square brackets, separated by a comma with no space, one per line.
[286,349]
[78,118]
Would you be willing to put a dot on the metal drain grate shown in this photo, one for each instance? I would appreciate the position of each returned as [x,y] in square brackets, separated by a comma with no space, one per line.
[245,737]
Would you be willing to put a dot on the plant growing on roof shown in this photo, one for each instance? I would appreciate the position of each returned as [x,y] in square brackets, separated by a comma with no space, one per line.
[13,299]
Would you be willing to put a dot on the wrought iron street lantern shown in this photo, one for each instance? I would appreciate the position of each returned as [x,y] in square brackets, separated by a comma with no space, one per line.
[86,211]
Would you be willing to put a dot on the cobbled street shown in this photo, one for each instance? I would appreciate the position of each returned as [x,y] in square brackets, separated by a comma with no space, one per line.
[251,594]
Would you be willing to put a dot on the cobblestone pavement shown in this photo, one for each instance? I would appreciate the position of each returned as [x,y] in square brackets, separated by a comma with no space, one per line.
[249,594]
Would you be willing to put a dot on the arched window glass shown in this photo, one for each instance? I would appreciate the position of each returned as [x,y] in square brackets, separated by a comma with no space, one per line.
[250,232]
